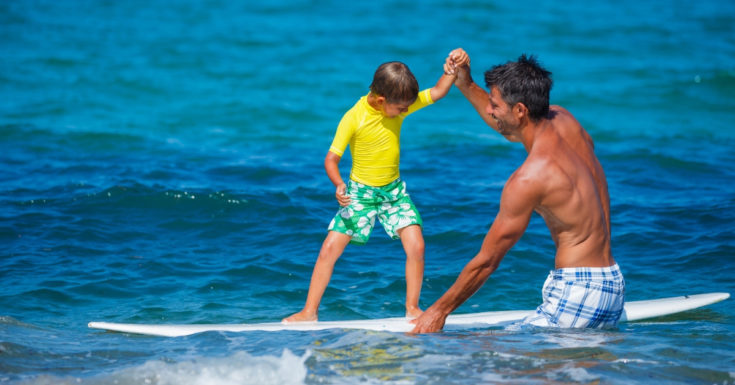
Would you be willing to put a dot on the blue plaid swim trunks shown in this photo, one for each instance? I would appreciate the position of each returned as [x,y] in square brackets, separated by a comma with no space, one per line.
[582,297]
[390,204]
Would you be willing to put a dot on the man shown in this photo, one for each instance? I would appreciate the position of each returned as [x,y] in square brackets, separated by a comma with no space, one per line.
[563,181]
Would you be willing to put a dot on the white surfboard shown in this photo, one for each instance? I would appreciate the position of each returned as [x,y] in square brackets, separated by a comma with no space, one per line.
[634,311]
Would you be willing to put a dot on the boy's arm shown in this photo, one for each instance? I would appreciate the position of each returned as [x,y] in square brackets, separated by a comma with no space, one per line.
[441,89]
[458,57]
[331,164]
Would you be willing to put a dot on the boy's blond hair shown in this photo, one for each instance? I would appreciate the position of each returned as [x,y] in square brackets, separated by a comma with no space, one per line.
[395,82]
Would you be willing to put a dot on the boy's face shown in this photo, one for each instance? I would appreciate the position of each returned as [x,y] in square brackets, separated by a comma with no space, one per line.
[392,110]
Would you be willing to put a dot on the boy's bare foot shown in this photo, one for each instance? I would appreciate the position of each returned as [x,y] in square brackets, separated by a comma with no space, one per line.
[413,313]
[300,317]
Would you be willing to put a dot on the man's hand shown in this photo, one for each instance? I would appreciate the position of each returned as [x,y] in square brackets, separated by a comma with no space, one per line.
[459,57]
[462,69]
[456,58]
[431,321]
[457,64]
[342,198]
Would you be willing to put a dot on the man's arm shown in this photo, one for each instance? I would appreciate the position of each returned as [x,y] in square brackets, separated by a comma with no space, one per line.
[517,202]
[476,95]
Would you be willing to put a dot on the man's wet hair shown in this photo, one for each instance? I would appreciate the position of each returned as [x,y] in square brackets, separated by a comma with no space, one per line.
[523,81]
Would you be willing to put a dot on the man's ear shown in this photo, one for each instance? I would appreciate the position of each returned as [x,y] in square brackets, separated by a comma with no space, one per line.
[520,110]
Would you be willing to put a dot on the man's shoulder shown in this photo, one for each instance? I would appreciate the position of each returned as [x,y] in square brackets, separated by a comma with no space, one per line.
[535,170]
[540,170]
[561,117]
[537,163]
[527,183]
[569,128]
[558,109]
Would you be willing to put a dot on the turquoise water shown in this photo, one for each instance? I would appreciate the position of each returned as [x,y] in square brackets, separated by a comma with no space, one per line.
[162,163]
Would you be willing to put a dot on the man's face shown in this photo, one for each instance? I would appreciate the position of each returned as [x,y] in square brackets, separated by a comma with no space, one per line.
[502,112]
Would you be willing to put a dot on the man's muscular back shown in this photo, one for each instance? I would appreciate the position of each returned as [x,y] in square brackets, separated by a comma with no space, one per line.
[573,199]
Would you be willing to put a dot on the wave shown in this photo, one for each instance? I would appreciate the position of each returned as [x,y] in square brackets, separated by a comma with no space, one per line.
[238,368]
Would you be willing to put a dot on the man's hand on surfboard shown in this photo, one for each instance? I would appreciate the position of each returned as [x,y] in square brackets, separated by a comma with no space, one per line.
[431,321]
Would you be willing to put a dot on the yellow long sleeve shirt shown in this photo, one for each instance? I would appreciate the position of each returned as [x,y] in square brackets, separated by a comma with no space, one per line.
[374,140]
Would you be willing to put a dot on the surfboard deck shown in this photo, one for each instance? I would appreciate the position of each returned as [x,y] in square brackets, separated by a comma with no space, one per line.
[634,311]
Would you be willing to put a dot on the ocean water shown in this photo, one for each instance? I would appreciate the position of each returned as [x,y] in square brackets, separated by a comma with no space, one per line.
[162,162]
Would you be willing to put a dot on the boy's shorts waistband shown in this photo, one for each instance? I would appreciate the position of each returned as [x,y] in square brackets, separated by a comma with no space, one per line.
[587,273]
[391,184]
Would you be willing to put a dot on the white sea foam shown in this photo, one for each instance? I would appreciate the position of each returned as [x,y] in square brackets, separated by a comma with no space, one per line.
[239,368]
[576,374]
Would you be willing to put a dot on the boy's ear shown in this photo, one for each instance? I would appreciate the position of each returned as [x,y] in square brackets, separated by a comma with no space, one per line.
[380,100]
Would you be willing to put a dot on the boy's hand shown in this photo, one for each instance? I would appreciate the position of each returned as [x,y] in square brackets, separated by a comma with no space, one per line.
[342,198]
[450,67]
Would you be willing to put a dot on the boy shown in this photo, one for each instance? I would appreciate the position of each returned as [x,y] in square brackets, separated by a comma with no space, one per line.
[372,128]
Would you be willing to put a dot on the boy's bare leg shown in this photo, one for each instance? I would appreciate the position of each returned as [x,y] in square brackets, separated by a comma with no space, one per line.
[331,250]
[413,244]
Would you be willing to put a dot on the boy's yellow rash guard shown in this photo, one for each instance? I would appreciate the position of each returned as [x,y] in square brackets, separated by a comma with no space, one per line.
[374,140]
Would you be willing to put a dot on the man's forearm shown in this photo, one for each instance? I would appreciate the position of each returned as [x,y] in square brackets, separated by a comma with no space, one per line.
[479,99]
[472,277]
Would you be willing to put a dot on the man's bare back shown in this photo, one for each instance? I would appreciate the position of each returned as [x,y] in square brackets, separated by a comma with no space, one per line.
[575,202]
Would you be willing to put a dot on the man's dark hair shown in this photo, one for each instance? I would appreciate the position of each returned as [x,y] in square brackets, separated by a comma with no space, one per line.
[523,81]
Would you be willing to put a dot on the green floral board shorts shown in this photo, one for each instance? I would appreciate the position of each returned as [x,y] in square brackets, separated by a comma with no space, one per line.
[390,204]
